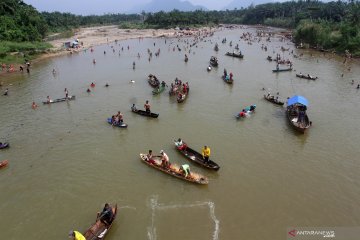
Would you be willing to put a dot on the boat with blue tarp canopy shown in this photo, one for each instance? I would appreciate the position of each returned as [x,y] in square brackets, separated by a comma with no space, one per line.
[296,113]
[297,99]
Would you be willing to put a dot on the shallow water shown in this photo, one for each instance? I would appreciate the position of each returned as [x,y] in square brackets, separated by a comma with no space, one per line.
[66,161]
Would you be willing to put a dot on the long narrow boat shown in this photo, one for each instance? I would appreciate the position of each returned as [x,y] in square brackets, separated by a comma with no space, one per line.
[153,81]
[99,229]
[247,111]
[196,157]
[4,145]
[237,55]
[120,125]
[69,98]
[282,70]
[181,97]
[173,170]
[296,113]
[4,163]
[144,113]
[214,62]
[229,81]
[159,89]
[272,99]
[306,76]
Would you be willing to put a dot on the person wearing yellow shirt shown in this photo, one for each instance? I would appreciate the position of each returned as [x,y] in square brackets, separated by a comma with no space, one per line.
[206,154]
[75,235]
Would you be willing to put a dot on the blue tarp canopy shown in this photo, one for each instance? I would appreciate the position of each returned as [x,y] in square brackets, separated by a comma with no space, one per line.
[297,99]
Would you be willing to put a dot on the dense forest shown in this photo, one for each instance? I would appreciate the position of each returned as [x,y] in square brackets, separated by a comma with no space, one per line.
[333,25]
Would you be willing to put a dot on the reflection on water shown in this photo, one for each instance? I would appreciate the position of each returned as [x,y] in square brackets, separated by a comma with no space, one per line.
[66,161]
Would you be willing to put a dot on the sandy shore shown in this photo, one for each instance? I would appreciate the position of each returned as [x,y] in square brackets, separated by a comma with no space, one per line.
[93,36]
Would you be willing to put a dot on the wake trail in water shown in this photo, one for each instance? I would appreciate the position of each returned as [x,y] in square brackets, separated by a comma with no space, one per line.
[154,205]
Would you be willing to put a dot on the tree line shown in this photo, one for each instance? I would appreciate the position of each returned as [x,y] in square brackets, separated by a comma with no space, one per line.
[327,25]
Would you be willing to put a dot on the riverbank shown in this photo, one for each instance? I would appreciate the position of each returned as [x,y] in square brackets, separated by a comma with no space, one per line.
[94,36]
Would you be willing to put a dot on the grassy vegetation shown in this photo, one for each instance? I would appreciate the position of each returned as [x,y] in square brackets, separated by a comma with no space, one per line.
[322,34]
[17,52]
[60,35]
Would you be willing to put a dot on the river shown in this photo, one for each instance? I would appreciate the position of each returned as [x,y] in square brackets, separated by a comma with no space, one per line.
[66,161]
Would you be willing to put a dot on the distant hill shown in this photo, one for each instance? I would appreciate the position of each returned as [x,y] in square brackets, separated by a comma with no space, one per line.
[166,6]
[244,4]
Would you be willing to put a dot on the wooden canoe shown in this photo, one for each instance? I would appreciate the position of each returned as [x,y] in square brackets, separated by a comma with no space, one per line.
[98,230]
[158,90]
[306,77]
[214,62]
[144,113]
[153,81]
[293,116]
[196,157]
[183,96]
[282,70]
[4,163]
[237,55]
[229,81]
[273,100]
[4,145]
[120,125]
[69,98]
[174,170]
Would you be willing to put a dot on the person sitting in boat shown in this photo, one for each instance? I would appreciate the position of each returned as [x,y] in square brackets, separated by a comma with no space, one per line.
[75,235]
[149,155]
[225,72]
[88,90]
[277,66]
[147,106]
[185,170]
[165,162]
[176,81]
[231,76]
[180,95]
[242,113]
[133,108]
[113,120]
[358,86]
[48,100]
[206,153]
[252,107]
[163,84]
[106,216]
[149,158]
[184,88]
[92,85]
[180,145]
